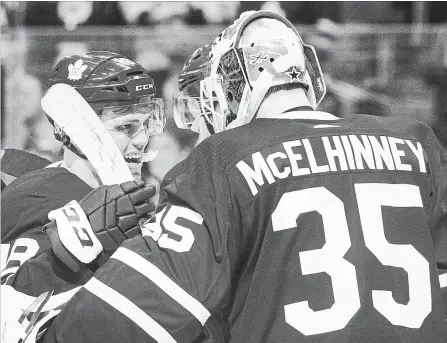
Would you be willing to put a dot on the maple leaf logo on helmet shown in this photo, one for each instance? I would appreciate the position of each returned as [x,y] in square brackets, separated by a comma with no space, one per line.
[75,70]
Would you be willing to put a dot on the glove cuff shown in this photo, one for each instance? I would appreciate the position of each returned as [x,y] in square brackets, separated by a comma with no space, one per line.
[72,238]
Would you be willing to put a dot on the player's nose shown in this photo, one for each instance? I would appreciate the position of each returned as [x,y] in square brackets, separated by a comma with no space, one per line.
[140,140]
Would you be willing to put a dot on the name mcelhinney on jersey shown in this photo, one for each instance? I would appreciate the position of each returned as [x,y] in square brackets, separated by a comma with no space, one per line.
[329,154]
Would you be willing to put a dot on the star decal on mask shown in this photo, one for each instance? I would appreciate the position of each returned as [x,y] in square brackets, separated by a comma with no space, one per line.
[294,74]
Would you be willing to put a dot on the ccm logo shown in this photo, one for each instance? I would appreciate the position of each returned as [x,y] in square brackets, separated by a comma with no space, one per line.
[143,87]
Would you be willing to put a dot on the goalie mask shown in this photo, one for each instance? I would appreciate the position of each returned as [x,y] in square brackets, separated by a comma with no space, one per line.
[187,105]
[260,50]
[114,86]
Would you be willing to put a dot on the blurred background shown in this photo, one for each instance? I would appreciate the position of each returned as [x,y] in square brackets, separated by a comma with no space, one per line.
[378,58]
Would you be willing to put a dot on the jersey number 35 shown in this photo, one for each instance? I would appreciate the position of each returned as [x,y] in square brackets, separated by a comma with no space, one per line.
[330,258]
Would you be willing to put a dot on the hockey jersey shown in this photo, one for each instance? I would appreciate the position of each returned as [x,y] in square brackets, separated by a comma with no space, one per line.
[25,204]
[29,268]
[284,231]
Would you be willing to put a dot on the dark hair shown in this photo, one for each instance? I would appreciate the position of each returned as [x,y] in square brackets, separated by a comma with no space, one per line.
[284,87]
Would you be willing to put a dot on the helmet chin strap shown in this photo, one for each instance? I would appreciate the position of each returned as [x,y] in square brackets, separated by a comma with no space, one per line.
[149,156]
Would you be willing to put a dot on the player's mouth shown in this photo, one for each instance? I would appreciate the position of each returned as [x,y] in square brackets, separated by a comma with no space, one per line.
[133,159]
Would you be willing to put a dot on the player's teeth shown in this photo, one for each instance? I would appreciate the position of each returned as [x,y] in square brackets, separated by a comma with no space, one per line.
[133,156]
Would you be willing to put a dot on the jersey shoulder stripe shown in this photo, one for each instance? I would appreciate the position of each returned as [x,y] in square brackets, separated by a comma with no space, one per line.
[160,279]
[129,309]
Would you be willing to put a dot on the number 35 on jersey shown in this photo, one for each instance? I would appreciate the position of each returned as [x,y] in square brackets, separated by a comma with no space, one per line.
[330,258]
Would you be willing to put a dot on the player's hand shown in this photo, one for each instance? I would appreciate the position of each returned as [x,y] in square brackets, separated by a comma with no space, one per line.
[100,222]
[114,211]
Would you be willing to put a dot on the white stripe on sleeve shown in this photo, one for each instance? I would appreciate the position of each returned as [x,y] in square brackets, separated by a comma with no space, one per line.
[154,274]
[129,309]
[443,280]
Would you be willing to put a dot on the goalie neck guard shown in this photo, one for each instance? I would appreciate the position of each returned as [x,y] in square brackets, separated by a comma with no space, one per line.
[108,80]
[245,65]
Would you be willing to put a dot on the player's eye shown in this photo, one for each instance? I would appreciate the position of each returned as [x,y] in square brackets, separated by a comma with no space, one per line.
[126,128]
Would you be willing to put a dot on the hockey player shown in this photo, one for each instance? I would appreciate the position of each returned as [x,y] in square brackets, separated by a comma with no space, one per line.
[289,225]
[123,95]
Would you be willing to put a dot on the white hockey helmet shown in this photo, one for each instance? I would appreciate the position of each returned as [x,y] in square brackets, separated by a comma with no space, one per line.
[260,50]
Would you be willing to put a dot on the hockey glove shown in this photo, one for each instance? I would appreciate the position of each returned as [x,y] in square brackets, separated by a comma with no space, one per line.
[97,225]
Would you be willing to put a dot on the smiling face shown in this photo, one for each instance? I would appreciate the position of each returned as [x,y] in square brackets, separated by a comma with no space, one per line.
[131,125]
[131,135]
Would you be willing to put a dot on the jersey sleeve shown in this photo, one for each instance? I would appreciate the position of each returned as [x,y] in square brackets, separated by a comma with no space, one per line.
[35,284]
[24,211]
[440,236]
[35,294]
[172,283]
[437,165]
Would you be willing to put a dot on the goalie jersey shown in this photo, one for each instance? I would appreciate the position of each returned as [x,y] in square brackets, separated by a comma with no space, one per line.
[283,231]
